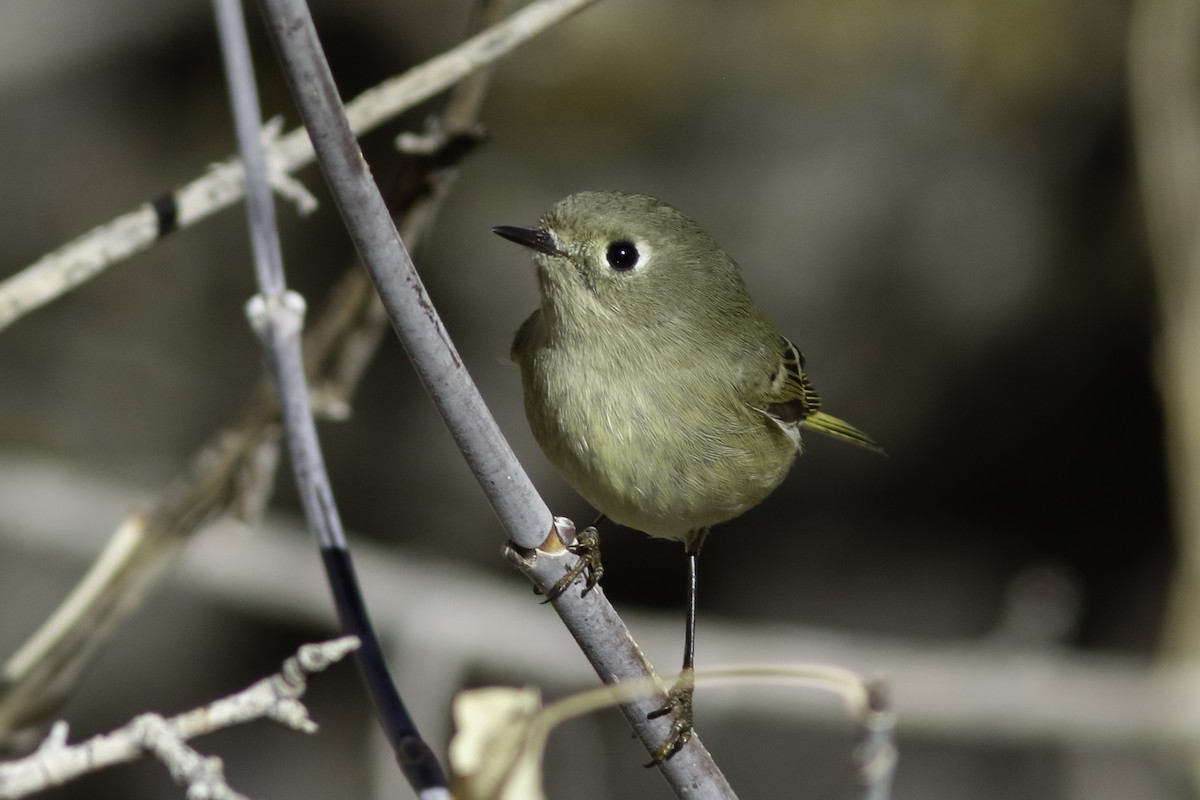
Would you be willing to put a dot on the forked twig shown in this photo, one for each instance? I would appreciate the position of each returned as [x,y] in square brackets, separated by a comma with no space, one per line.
[275,697]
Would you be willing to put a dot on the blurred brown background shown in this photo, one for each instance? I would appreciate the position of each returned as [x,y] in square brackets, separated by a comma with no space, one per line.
[937,200]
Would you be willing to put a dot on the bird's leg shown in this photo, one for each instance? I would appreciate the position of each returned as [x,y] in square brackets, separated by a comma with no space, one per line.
[679,699]
[587,547]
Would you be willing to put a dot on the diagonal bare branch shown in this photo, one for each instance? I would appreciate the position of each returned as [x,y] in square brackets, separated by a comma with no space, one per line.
[79,261]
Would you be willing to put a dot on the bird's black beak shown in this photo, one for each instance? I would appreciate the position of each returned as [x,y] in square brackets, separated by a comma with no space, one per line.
[538,240]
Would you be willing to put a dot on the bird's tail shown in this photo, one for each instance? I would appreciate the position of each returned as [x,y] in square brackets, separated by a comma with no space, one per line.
[832,426]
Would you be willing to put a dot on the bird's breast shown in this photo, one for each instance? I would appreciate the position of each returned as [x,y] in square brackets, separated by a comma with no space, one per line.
[654,445]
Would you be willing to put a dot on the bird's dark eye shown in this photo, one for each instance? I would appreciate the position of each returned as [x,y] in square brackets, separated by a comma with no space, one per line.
[622,256]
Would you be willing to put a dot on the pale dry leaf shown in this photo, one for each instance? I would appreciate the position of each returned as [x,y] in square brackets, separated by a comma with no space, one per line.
[496,752]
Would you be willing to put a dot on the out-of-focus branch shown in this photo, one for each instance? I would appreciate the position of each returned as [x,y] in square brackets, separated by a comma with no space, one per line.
[275,697]
[81,260]
[37,679]
[232,472]
[1164,62]
[978,692]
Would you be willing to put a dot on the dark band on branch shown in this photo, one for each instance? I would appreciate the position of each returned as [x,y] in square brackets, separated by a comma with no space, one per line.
[167,213]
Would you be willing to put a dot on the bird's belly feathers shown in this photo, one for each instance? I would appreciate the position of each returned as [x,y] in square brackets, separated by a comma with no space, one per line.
[649,456]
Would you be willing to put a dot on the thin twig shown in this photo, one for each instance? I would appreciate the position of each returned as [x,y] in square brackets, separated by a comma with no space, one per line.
[591,619]
[277,314]
[275,697]
[339,344]
[247,119]
[84,258]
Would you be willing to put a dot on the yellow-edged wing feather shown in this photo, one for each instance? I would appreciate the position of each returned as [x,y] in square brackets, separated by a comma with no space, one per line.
[792,399]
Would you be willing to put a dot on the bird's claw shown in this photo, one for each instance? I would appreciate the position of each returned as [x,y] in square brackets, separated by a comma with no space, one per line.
[587,547]
[679,706]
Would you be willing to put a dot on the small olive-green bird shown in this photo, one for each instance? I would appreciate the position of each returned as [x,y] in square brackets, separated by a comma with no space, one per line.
[654,383]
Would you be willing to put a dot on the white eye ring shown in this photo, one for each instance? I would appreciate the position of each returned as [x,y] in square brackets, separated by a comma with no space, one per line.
[623,255]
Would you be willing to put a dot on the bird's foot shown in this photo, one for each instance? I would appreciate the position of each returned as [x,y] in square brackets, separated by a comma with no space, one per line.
[679,706]
[587,547]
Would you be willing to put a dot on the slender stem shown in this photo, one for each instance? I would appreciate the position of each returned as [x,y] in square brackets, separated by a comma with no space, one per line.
[243,96]
[276,316]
